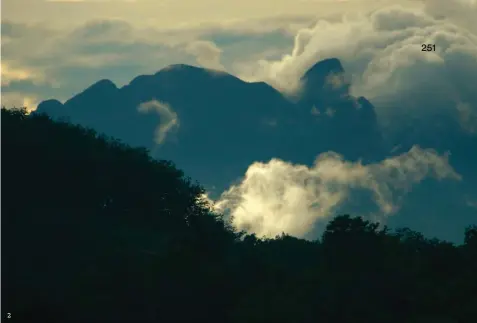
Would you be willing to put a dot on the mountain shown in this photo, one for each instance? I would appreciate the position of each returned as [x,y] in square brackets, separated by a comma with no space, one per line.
[225,124]
[214,125]
[325,82]
[351,121]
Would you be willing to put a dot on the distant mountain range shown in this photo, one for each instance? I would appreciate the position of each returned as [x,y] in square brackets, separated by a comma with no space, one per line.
[214,125]
[224,123]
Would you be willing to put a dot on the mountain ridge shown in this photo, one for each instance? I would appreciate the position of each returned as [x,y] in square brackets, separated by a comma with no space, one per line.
[214,126]
[327,66]
[224,111]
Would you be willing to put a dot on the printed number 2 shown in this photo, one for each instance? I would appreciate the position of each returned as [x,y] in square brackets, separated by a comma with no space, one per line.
[428,48]
[9,315]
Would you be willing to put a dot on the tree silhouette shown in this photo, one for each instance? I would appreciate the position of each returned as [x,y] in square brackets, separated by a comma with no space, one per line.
[96,231]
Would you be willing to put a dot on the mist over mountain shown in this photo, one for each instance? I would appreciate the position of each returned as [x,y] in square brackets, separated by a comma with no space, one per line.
[217,128]
[225,123]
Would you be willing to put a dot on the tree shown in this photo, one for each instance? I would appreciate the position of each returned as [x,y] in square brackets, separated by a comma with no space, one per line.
[98,231]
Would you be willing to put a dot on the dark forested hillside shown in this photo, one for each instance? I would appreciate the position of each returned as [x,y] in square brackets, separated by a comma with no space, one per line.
[96,231]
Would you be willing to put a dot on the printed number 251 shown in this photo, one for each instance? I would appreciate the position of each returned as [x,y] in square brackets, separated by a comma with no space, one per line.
[428,48]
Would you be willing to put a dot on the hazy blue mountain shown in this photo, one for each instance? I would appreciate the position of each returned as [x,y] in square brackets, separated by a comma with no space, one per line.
[224,124]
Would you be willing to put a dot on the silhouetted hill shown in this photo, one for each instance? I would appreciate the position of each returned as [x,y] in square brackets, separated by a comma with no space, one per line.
[240,122]
[97,231]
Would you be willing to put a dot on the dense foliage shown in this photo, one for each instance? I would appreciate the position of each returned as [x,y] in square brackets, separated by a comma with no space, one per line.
[96,231]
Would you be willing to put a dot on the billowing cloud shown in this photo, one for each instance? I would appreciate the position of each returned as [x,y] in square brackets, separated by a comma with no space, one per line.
[460,12]
[382,53]
[207,54]
[169,121]
[278,197]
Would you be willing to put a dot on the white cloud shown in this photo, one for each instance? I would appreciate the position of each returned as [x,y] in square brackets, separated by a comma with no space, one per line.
[278,197]
[461,12]
[169,121]
[207,54]
[381,51]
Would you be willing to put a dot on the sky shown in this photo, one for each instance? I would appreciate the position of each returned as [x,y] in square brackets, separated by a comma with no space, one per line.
[55,49]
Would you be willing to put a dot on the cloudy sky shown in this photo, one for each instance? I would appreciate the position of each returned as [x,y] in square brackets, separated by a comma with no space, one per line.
[55,49]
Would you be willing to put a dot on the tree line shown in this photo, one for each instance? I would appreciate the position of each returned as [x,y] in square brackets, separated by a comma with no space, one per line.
[96,231]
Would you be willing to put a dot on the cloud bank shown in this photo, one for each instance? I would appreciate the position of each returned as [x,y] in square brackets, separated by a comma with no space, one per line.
[278,197]
[381,51]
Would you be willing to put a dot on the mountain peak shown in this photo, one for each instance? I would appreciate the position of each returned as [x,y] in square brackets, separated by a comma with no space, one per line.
[178,67]
[52,107]
[101,91]
[191,69]
[102,85]
[189,74]
[325,82]
[323,68]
